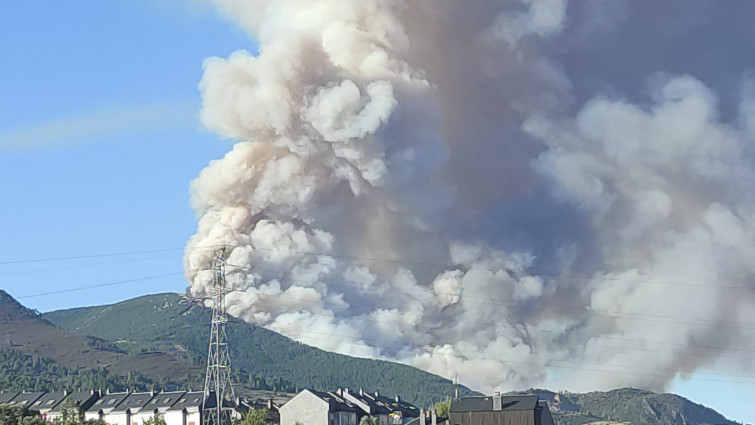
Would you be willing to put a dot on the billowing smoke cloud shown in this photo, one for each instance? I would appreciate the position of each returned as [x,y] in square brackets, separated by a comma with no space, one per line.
[434,182]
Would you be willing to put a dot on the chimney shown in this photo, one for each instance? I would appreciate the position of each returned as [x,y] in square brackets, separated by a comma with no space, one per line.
[152,392]
[433,417]
[422,416]
[377,394]
[270,404]
[398,398]
[497,404]
[361,392]
[346,390]
[65,393]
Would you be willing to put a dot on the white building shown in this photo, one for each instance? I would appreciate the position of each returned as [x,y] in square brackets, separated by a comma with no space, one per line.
[102,407]
[186,411]
[51,405]
[160,405]
[124,412]
[311,407]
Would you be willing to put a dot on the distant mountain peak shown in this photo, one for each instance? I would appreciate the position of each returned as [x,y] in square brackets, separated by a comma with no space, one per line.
[11,309]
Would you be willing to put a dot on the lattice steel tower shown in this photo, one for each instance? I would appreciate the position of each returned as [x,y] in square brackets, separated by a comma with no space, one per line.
[219,397]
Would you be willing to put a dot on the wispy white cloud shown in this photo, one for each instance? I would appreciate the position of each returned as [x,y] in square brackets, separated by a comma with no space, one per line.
[86,127]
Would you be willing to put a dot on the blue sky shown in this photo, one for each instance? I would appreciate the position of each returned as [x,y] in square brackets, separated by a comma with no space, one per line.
[99,141]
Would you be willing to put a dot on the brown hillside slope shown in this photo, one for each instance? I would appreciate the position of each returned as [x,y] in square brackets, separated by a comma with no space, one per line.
[21,329]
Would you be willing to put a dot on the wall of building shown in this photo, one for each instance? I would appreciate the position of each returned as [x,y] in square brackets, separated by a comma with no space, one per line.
[503,417]
[305,409]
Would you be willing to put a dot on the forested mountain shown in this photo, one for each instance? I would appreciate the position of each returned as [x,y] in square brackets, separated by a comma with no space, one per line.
[168,324]
[160,342]
[628,406]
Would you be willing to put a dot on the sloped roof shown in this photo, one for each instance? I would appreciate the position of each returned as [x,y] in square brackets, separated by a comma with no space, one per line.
[108,402]
[382,405]
[336,402]
[134,402]
[82,399]
[188,400]
[49,400]
[165,400]
[7,397]
[26,399]
[485,404]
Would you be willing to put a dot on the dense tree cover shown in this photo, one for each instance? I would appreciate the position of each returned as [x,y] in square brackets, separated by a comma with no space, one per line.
[263,359]
[19,372]
[18,415]
[629,405]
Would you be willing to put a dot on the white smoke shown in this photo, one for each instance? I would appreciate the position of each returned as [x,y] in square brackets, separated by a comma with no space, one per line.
[408,183]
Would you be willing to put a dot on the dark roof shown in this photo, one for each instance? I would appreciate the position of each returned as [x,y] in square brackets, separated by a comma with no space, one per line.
[189,399]
[375,407]
[407,409]
[382,405]
[82,399]
[27,399]
[49,400]
[165,400]
[7,397]
[485,404]
[108,401]
[336,402]
[134,401]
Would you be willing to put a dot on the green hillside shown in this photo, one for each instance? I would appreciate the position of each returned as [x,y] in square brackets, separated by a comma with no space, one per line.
[170,323]
[628,405]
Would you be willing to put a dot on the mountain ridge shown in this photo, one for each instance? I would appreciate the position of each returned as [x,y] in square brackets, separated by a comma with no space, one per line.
[137,335]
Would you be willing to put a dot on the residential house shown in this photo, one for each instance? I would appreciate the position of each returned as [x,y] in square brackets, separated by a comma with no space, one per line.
[48,401]
[160,405]
[500,410]
[386,410]
[311,407]
[81,400]
[132,405]
[6,398]
[428,418]
[104,405]
[26,399]
[188,408]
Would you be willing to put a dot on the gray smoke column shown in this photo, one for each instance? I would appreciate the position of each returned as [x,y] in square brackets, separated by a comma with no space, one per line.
[419,181]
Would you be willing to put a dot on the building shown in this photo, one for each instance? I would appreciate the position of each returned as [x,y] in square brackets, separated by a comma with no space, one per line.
[48,402]
[311,407]
[6,398]
[133,404]
[187,410]
[104,405]
[386,410]
[160,405]
[81,400]
[26,399]
[500,410]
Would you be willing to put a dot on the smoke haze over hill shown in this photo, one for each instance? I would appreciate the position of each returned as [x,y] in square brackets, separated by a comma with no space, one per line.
[519,193]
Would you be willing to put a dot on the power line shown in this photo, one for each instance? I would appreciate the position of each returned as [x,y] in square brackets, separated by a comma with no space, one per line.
[531,271]
[112,254]
[102,285]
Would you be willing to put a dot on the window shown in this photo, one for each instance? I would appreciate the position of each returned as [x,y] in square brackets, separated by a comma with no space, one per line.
[111,401]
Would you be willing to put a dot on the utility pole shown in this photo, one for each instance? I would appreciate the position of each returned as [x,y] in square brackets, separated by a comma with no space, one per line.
[219,397]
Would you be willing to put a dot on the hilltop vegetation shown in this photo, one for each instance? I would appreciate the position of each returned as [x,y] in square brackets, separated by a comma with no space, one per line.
[628,405]
[168,323]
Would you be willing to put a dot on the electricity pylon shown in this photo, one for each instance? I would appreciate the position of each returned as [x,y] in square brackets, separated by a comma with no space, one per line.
[219,397]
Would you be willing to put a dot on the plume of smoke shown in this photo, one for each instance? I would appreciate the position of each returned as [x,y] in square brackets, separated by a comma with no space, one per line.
[407,183]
